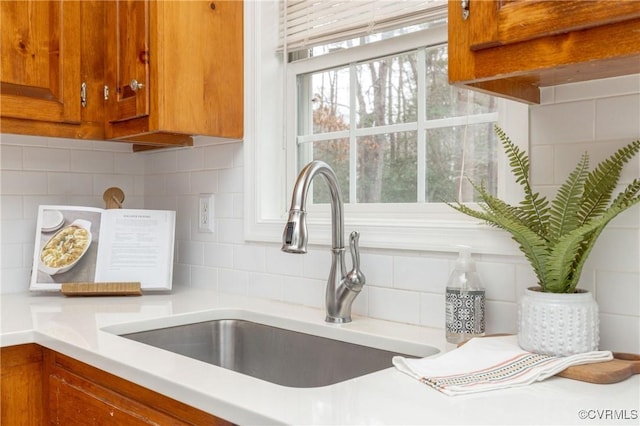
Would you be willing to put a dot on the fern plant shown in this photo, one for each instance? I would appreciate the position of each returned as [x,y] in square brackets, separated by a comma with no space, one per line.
[557,236]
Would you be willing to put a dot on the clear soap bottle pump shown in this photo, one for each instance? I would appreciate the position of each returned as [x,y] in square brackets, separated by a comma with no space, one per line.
[465,300]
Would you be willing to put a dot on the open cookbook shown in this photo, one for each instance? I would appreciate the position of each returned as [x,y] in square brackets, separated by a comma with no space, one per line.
[91,245]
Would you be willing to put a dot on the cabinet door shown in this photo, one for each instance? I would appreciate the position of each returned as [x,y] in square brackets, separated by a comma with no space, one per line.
[40,65]
[127,59]
[75,402]
[513,21]
[80,394]
[22,400]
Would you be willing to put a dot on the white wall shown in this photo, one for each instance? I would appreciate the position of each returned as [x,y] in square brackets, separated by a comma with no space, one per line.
[401,286]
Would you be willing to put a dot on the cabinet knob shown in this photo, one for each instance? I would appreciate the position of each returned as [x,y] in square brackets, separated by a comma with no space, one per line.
[135,85]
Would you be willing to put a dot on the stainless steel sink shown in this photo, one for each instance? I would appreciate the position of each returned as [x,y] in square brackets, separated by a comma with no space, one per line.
[277,355]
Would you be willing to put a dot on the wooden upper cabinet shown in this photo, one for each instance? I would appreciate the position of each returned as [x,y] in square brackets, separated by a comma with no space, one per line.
[188,58]
[41,60]
[512,48]
[151,72]
[127,67]
[52,68]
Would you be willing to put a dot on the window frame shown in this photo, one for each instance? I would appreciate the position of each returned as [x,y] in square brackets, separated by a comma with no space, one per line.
[271,169]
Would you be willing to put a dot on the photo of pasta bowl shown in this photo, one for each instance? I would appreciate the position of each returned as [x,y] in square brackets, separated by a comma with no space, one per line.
[65,248]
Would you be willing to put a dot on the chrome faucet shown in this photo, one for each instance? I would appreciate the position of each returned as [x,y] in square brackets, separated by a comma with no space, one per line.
[341,290]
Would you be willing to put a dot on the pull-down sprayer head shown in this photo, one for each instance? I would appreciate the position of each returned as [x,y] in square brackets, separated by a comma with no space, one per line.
[294,237]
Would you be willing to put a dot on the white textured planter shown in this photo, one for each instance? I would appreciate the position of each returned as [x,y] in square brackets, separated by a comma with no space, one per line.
[557,323]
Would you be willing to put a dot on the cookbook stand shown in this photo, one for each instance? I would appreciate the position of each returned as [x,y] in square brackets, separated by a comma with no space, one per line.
[113,198]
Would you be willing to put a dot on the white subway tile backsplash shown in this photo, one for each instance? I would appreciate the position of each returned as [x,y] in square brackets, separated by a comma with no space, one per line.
[102,182]
[10,157]
[249,258]
[31,203]
[23,140]
[218,156]
[618,117]
[179,183]
[232,180]
[161,162]
[23,183]
[542,157]
[315,263]
[619,333]
[11,207]
[499,280]
[128,163]
[233,281]
[618,292]
[191,252]
[615,86]
[109,146]
[204,182]
[501,317]
[189,159]
[267,286]
[155,185]
[230,231]
[17,231]
[420,273]
[562,123]
[218,255]
[281,263]
[70,183]
[14,280]
[40,159]
[378,269]
[616,249]
[91,161]
[394,305]
[12,255]
[432,310]
[204,277]
[224,206]
[304,291]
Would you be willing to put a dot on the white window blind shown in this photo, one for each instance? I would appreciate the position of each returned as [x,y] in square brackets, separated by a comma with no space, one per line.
[308,23]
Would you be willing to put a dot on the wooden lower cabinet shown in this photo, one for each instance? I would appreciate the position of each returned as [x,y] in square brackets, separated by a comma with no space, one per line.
[39,385]
[23,390]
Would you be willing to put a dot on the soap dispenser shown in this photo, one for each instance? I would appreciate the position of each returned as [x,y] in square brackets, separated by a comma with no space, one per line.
[465,300]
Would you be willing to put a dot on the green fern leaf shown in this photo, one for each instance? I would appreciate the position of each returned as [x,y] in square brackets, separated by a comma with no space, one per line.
[533,209]
[564,208]
[602,180]
[568,255]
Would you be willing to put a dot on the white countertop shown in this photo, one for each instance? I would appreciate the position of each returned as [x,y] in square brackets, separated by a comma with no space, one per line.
[76,327]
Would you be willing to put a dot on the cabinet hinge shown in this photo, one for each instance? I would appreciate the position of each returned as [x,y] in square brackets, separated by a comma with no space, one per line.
[105,91]
[83,94]
[465,9]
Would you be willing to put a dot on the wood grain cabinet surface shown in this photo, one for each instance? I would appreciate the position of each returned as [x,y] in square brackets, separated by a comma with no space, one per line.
[188,57]
[513,47]
[143,71]
[23,391]
[41,386]
[43,68]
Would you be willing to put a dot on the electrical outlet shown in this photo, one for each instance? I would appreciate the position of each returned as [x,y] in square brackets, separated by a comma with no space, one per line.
[205,213]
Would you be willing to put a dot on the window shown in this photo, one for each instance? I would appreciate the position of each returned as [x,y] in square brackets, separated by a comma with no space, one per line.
[395,131]
[381,112]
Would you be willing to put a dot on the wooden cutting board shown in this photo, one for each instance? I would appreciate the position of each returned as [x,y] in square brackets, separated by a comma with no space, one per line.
[621,367]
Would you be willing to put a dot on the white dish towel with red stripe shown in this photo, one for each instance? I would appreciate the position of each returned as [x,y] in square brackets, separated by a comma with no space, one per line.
[489,363]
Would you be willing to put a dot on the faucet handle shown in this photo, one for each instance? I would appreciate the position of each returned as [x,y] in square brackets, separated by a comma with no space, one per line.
[355,279]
